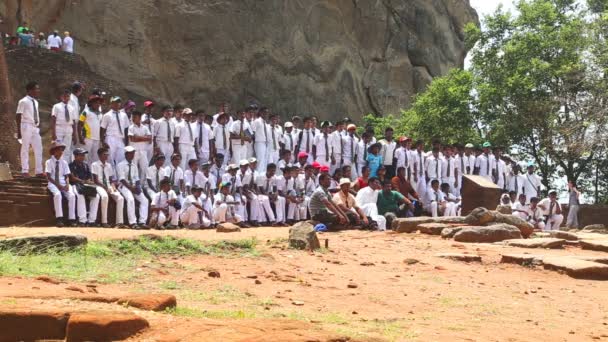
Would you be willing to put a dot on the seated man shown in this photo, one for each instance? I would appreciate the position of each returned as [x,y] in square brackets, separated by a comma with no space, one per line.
[321,207]
[435,202]
[451,199]
[195,213]
[401,184]
[347,203]
[392,204]
[268,193]
[165,206]
[224,206]
[535,214]
[520,208]
[58,176]
[83,188]
[107,185]
[155,174]
[367,199]
[552,211]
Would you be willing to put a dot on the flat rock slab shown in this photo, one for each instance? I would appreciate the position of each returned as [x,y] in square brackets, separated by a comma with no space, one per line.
[488,234]
[448,233]
[595,245]
[460,257]
[29,325]
[601,260]
[432,228]
[563,235]
[158,302]
[577,268]
[458,220]
[536,243]
[42,243]
[227,228]
[521,259]
[410,224]
[103,326]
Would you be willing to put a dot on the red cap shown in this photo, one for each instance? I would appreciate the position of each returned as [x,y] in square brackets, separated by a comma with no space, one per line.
[316,165]
[402,139]
[324,168]
[302,155]
[148,103]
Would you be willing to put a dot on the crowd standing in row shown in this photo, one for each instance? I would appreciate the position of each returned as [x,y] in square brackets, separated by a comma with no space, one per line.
[54,42]
[193,169]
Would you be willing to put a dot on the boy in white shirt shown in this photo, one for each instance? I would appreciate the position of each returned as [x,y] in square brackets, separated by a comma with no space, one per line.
[196,211]
[240,135]
[154,175]
[236,191]
[176,175]
[266,184]
[164,207]
[517,182]
[349,152]
[163,133]
[362,151]
[211,184]
[204,134]
[485,164]
[89,127]
[449,171]
[28,122]
[131,190]
[186,137]
[535,214]
[114,125]
[223,206]
[140,138]
[435,202]
[337,147]
[63,120]
[552,210]
[246,177]
[322,145]
[433,167]
[106,181]
[261,131]
[288,141]
[192,177]
[419,170]
[520,208]
[57,174]
[276,133]
[532,184]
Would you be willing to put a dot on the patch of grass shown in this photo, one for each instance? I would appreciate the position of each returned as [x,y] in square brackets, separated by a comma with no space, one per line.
[169,285]
[115,260]
[224,294]
[196,313]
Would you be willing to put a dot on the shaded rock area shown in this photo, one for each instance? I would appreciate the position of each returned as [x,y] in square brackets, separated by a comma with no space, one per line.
[595,245]
[410,224]
[595,228]
[448,233]
[536,243]
[302,235]
[575,266]
[317,57]
[432,228]
[40,244]
[493,233]
[103,326]
[460,257]
[563,235]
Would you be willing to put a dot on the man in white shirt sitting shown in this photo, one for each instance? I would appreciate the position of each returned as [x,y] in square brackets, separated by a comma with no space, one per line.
[107,184]
[435,202]
[552,210]
[164,207]
[196,211]
[154,175]
[520,208]
[367,199]
[131,190]
[223,206]
[57,173]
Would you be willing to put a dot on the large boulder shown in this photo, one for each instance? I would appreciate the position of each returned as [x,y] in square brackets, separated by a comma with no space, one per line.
[42,243]
[302,235]
[480,216]
[536,243]
[448,233]
[504,209]
[103,326]
[488,234]
[410,224]
[525,228]
[432,228]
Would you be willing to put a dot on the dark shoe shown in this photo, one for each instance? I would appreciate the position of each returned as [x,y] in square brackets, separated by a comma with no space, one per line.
[144,227]
[133,226]
[72,223]
[121,226]
[255,224]
[105,225]
[59,222]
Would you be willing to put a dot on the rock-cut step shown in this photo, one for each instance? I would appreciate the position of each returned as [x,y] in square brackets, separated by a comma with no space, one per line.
[580,267]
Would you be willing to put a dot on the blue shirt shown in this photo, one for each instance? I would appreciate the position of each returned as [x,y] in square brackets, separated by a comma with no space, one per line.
[374,162]
[25,39]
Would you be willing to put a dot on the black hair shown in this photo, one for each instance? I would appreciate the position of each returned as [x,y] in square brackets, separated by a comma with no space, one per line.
[167,107]
[165,181]
[434,181]
[136,113]
[102,150]
[219,155]
[534,199]
[31,85]
[192,161]
[66,92]
[387,182]
[400,168]
[271,166]
[178,106]
[323,177]
[365,168]
[76,87]
[372,179]
[200,112]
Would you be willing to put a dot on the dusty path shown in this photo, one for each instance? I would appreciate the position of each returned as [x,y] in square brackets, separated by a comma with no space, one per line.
[367,286]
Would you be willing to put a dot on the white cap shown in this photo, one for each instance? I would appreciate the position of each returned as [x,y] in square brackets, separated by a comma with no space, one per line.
[288,124]
[129,149]
[187,111]
[244,162]
[233,167]
[469,145]
[252,160]
[344,181]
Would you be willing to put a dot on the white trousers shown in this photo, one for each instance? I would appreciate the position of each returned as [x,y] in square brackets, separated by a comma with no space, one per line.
[142,162]
[371,210]
[420,187]
[554,222]
[57,197]
[297,211]
[221,214]
[81,207]
[92,146]
[117,149]
[273,157]
[166,148]
[104,200]
[203,157]
[265,209]
[187,152]
[262,153]
[130,199]
[279,205]
[173,216]
[321,160]
[448,208]
[65,136]
[239,152]
[30,136]
[249,150]
[190,217]
[254,208]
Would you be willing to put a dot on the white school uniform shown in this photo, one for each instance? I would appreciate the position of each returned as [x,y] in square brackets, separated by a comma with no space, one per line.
[204,135]
[65,117]
[30,133]
[261,130]
[161,200]
[517,183]
[163,132]
[337,150]
[91,123]
[105,175]
[267,184]
[154,175]
[186,135]
[193,217]
[350,143]
[59,170]
[223,212]
[115,123]
[193,178]
[486,164]
[448,173]
[176,176]
[554,220]
[501,169]
[141,148]
[128,172]
[323,144]
[435,200]
[274,140]
[531,185]
[289,140]
[222,141]
[419,172]
[433,169]
[239,148]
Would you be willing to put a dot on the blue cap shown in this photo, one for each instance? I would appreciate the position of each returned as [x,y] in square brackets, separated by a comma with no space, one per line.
[320,228]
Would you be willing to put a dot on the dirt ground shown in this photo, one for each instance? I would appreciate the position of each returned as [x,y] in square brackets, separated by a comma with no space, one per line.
[367,286]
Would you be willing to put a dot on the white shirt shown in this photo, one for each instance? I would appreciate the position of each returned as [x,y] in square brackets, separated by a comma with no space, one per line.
[211,180]
[274,138]
[420,163]
[68,44]
[139,131]
[448,164]
[91,122]
[290,140]
[185,135]
[485,163]
[191,200]
[235,181]
[433,167]
[366,196]
[163,130]
[51,165]
[54,41]
[261,130]
[350,143]
[222,137]
[307,186]
[29,109]
[174,172]
[245,179]
[361,152]
[114,123]
[466,164]
[218,172]
[305,140]
[74,103]
[204,133]
[320,141]
[338,144]
[190,178]
[100,170]
[531,185]
[161,199]
[58,112]
[238,128]
[388,151]
[265,183]
[501,168]
[151,174]
[404,158]
[123,171]
[433,196]
[521,183]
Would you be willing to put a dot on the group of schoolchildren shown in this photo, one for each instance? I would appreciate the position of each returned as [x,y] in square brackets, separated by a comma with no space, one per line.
[180,167]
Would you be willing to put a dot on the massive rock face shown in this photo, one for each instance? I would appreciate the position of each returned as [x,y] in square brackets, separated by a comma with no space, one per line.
[327,57]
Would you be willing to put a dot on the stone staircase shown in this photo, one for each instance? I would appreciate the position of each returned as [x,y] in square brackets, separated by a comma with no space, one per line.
[25,201]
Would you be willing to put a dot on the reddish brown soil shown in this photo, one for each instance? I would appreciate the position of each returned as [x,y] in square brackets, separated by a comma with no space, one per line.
[361,287]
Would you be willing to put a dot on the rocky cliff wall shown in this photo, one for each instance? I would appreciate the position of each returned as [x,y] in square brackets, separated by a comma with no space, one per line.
[327,57]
